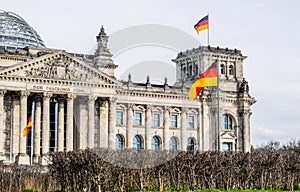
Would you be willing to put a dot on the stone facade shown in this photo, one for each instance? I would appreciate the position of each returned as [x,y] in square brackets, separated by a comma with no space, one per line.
[76,102]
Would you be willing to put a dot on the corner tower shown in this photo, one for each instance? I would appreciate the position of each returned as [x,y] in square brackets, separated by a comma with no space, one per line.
[103,58]
[234,97]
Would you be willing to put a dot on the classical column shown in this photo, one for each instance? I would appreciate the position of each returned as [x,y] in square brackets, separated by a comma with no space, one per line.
[69,126]
[183,131]
[46,126]
[23,158]
[103,116]
[37,130]
[83,122]
[199,131]
[2,93]
[129,130]
[166,137]
[60,131]
[15,126]
[91,128]
[148,127]
[112,123]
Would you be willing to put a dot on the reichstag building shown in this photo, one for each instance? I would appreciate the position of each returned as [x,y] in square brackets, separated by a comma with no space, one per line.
[76,102]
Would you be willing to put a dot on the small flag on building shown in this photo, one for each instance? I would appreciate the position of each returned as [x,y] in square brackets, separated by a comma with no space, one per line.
[207,79]
[26,130]
[202,24]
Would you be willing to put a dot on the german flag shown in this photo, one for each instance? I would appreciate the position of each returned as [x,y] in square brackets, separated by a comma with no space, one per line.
[202,24]
[26,130]
[207,79]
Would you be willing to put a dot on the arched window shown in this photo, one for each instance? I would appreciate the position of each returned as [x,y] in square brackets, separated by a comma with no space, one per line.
[190,144]
[222,69]
[227,122]
[155,143]
[119,141]
[230,71]
[184,72]
[191,70]
[173,144]
[137,142]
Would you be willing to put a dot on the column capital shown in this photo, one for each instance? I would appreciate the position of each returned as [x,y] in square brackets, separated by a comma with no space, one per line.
[92,98]
[47,95]
[61,100]
[112,100]
[149,107]
[71,96]
[2,92]
[24,93]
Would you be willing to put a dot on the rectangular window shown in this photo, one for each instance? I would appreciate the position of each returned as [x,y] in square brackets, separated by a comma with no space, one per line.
[225,122]
[226,146]
[119,118]
[138,118]
[174,120]
[156,120]
[191,122]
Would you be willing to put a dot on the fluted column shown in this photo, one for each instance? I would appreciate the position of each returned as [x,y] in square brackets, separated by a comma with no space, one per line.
[129,130]
[46,126]
[166,137]
[112,123]
[148,127]
[2,93]
[37,130]
[183,129]
[22,157]
[69,126]
[91,129]
[60,131]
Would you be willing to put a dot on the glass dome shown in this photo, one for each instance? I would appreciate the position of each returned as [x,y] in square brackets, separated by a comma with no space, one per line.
[16,32]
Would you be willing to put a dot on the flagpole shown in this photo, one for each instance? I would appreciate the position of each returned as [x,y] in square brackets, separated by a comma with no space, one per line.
[208,26]
[218,110]
[32,132]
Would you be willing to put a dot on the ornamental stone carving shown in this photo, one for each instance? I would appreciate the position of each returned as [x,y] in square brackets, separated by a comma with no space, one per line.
[60,68]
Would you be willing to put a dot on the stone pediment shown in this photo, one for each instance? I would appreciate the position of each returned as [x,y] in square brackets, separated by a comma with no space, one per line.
[59,66]
[228,135]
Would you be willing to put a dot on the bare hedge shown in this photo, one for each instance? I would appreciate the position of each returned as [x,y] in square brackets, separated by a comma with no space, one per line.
[105,170]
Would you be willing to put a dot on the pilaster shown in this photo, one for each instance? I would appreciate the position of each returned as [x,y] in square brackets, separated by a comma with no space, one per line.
[129,130]
[183,129]
[148,127]
[166,128]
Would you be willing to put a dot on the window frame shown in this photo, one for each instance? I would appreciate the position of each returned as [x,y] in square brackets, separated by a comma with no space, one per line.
[156,122]
[171,144]
[118,142]
[191,145]
[175,120]
[137,144]
[155,143]
[140,122]
[193,122]
[227,122]
[121,117]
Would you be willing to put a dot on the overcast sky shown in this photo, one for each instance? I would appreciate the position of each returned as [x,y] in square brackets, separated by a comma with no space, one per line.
[265,31]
